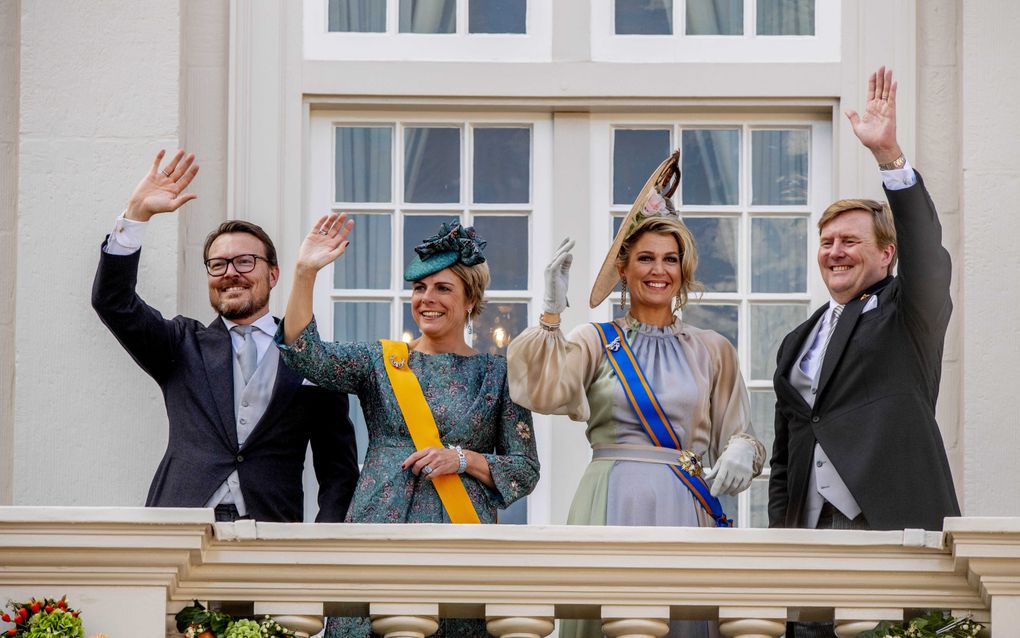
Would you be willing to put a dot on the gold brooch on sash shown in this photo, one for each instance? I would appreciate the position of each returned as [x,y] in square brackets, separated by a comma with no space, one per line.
[690,462]
[614,345]
[396,363]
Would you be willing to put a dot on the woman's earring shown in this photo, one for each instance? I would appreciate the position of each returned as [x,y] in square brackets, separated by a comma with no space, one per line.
[470,322]
[678,304]
[623,294]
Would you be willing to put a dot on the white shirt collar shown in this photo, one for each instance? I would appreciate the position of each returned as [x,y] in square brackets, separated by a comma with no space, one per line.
[265,323]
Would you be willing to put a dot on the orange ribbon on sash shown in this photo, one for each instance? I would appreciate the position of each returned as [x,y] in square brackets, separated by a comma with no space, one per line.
[422,426]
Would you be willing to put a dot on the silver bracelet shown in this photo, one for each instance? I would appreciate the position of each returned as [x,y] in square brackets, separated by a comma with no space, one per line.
[545,325]
[461,458]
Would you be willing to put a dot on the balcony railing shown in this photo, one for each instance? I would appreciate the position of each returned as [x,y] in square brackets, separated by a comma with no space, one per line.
[131,569]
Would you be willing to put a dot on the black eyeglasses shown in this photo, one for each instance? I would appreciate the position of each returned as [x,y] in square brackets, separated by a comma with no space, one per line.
[217,266]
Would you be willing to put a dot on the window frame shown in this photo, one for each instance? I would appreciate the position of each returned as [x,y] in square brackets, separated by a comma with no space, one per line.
[823,46]
[320,198]
[534,45]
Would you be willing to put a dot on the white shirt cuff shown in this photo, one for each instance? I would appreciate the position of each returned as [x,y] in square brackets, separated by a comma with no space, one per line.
[899,178]
[126,237]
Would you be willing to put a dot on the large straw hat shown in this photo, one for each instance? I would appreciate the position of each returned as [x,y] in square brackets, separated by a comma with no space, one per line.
[653,200]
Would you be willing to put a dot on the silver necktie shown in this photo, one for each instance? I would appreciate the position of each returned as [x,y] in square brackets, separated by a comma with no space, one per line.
[247,354]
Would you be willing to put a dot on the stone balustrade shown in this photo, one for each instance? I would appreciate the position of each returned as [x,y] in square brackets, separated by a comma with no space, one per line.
[131,569]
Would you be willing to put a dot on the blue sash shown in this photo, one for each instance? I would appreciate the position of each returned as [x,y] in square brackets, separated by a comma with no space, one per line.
[654,420]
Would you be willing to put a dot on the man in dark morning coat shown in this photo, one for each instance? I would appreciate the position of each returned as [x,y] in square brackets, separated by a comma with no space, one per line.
[240,420]
[857,445]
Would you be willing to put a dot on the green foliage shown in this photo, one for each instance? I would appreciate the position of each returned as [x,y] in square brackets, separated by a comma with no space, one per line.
[191,621]
[934,624]
[55,624]
[243,629]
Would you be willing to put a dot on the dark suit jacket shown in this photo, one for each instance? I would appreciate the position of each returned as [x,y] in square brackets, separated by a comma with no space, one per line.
[874,413]
[193,365]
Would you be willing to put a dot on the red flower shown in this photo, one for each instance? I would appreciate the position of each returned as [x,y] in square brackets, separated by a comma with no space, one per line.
[6,617]
[35,608]
[23,612]
[48,608]
[62,603]
[74,613]
[11,632]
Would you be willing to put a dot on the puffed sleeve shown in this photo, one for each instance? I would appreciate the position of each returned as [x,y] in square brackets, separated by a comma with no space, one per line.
[550,373]
[514,465]
[343,367]
[730,410]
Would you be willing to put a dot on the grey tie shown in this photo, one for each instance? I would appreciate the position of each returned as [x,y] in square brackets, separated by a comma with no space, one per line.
[837,310]
[247,354]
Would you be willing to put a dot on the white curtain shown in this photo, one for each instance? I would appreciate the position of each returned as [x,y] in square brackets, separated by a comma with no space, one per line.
[715,17]
[428,16]
[786,17]
[357,16]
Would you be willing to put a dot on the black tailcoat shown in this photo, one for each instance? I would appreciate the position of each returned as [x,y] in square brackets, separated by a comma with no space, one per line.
[874,412]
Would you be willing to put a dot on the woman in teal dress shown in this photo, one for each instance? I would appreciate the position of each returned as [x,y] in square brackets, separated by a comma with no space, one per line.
[490,439]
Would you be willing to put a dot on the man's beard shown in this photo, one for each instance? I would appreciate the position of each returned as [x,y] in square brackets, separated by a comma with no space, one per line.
[235,312]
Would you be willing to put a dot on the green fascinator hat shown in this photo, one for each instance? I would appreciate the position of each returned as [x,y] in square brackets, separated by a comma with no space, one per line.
[452,244]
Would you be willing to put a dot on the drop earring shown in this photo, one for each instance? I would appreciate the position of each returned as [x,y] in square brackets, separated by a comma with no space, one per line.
[470,323]
[677,305]
[623,294]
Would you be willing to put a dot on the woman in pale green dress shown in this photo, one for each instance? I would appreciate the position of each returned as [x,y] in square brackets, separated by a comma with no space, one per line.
[693,372]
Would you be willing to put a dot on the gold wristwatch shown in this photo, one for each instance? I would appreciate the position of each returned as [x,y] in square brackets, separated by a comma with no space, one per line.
[897,163]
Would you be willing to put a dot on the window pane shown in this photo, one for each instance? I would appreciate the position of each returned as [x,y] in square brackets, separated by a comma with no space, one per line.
[364,16]
[366,262]
[363,163]
[719,317]
[786,17]
[779,254]
[502,165]
[416,229]
[644,17]
[759,495]
[360,321]
[427,16]
[408,328]
[432,165]
[711,166]
[779,166]
[499,323]
[506,251]
[497,16]
[636,153]
[769,324]
[763,417]
[716,239]
[516,514]
[715,17]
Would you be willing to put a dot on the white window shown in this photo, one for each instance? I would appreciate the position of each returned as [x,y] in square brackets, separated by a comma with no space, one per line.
[400,177]
[751,192]
[477,30]
[716,30]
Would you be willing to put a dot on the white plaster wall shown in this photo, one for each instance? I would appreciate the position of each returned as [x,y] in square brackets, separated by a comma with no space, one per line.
[991,226]
[10,22]
[99,95]
[938,160]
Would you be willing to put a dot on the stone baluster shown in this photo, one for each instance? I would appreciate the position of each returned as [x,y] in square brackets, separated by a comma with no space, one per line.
[519,621]
[635,621]
[394,620]
[849,622]
[752,622]
[304,619]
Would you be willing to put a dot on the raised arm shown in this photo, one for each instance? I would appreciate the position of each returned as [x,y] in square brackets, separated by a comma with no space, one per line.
[322,246]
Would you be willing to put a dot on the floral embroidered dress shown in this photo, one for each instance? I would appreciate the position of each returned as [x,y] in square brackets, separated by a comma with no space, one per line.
[471,404]
[696,377]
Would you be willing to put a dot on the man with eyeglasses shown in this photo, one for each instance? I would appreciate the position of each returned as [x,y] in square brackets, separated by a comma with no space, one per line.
[240,419]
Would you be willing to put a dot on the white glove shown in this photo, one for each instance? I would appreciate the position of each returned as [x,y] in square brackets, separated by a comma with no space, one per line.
[733,470]
[557,275]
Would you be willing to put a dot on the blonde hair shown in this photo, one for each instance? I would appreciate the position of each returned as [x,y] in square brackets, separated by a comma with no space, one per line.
[476,280]
[881,218]
[685,242]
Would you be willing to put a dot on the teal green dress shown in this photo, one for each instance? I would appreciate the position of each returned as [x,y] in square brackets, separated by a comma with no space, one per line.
[471,404]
